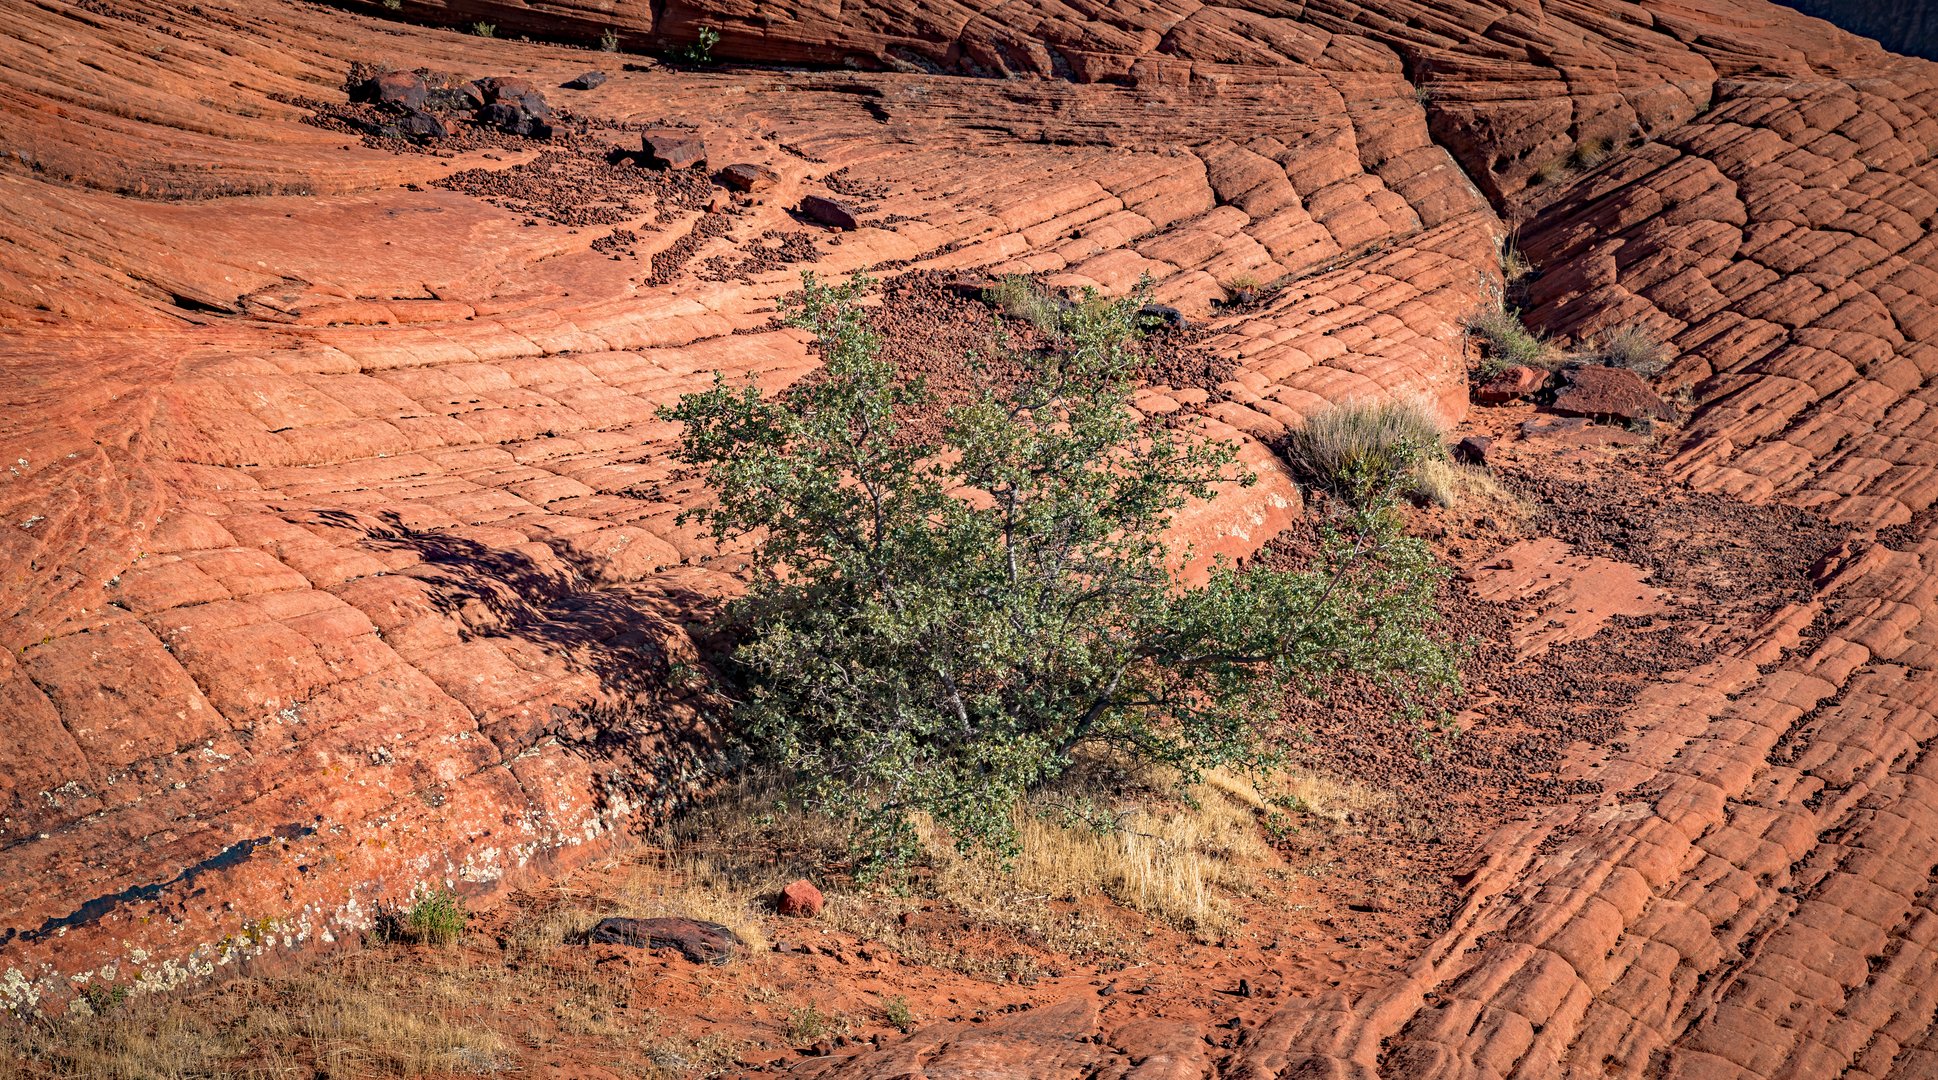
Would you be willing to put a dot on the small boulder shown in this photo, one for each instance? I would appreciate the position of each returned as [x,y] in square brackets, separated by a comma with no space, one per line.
[419,126]
[512,120]
[672,150]
[831,212]
[700,942]
[800,899]
[1472,450]
[591,80]
[404,89]
[749,177]
[1512,384]
[514,106]
[1606,393]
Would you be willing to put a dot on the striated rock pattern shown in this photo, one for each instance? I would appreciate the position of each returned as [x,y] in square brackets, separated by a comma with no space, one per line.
[340,530]
[340,533]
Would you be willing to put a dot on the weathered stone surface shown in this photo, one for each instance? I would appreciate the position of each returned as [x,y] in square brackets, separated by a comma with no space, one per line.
[344,541]
[1513,384]
[831,212]
[673,150]
[698,941]
[591,80]
[801,899]
[745,176]
[1609,394]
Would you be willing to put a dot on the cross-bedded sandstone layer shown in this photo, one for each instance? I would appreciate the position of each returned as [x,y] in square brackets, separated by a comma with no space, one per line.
[341,537]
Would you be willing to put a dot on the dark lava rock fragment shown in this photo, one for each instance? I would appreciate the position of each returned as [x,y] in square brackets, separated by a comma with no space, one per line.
[591,80]
[830,212]
[700,942]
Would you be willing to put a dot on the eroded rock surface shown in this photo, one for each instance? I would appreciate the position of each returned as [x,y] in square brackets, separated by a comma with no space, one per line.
[340,531]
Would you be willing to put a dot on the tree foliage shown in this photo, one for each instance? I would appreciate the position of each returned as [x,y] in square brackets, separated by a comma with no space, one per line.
[934,627]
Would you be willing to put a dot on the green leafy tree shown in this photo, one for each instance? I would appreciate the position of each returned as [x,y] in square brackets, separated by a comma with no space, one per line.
[936,627]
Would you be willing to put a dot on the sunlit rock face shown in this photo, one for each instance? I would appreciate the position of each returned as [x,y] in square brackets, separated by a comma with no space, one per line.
[343,546]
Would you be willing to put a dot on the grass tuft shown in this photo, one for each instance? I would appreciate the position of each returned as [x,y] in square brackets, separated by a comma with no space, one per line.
[1506,341]
[436,918]
[1632,346]
[1365,452]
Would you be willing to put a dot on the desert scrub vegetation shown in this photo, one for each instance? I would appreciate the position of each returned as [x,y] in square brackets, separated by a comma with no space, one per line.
[1505,341]
[936,628]
[435,917]
[1632,346]
[1367,453]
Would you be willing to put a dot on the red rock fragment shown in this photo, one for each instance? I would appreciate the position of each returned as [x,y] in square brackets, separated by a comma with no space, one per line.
[1608,393]
[672,150]
[746,176]
[1511,385]
[831,212]
[800,899]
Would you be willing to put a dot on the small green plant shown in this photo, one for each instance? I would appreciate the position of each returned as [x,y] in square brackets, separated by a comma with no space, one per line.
[1022,299]
[1632,346]
[609,41]
[897,1014]
[484,29]
[935,627]
[1368,454]
[1423,94]
[1515,267]
[436,918]
[393,5]
[701,51]
[103,998]
[1506,341]
[808,1024]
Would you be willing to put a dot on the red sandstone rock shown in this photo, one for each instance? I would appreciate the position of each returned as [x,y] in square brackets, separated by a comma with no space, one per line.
[673,150]
[801,899]
[1608,393]
[358,562]
[749,177]
[1511,385]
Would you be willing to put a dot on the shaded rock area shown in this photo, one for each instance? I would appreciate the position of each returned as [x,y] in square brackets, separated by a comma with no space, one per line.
[345,550]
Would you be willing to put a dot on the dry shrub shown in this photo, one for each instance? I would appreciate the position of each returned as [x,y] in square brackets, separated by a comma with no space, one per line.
[1632,346]
[1506,341]
[350,1016]
[1446,483]
[1366,452]
[1171,860]
[1018,297]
